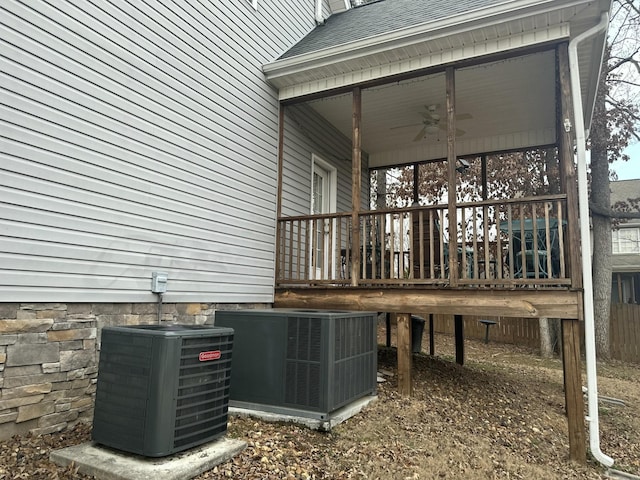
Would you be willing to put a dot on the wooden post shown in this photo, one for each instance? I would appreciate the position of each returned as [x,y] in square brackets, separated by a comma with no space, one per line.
[416,192]
[279,252]
[404,353]
[458,324]
[568,178]
[573,389]
[387,317]
[356,175]
[451,188]
[432,343]
[483,168]
[574,403]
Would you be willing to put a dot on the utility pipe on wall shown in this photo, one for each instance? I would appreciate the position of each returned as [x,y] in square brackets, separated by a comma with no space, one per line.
[585,240]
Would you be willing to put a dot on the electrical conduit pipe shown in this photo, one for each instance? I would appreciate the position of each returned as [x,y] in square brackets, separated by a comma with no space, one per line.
[583,196]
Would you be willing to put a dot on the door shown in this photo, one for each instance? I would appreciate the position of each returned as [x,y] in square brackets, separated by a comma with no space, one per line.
[323,200]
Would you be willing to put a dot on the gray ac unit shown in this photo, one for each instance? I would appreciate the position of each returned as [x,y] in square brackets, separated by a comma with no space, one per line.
[302,362]
[162,388]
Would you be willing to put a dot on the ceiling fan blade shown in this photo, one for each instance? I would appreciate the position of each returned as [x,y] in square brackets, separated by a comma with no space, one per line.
[464,116]
[405,126]
[421,134]
[459,131]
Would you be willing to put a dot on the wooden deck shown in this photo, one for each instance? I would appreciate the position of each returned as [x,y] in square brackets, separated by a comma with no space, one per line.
[516,257]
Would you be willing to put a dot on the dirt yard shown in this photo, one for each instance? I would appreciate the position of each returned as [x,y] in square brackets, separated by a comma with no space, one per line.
[498,417]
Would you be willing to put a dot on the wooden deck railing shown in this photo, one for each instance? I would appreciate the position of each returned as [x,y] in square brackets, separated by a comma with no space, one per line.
[502,243]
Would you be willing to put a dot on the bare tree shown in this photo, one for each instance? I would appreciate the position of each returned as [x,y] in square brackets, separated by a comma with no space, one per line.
[614,126]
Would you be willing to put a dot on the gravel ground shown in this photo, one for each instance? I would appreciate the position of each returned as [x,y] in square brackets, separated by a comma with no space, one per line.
[498,417]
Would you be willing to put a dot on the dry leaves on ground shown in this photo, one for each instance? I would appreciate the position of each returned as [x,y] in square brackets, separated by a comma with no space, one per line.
[499,416]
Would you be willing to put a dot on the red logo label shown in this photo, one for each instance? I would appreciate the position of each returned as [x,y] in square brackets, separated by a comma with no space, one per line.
[207,356]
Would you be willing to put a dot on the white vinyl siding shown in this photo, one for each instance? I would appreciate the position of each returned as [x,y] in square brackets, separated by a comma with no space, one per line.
[137,137]
[307,133]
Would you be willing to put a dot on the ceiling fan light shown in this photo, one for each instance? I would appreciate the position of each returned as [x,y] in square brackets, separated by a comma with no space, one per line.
[431,129]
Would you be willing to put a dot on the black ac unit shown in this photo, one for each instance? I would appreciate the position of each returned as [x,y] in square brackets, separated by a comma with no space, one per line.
[162,388]
[301,362]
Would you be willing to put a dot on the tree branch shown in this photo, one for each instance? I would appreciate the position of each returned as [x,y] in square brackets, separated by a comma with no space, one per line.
[622,60]
[608,213]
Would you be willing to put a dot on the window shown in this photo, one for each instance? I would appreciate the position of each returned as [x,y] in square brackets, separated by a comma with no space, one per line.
[626,240]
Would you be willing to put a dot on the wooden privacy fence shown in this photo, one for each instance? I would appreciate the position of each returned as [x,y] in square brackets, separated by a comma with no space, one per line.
[518,331]
[624,333]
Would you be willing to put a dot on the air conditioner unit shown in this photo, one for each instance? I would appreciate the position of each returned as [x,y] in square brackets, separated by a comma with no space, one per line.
[162,388]
[301,362]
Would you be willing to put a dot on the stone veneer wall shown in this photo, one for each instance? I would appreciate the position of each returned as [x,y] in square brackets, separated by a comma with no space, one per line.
[49,357]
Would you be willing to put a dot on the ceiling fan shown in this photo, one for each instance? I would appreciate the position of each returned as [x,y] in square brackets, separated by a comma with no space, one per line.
[432,124]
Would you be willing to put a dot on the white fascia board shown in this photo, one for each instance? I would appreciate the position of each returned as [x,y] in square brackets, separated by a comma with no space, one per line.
[333,81]
[503,12]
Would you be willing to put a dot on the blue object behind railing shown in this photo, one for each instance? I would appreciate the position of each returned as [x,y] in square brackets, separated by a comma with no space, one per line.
[524,264]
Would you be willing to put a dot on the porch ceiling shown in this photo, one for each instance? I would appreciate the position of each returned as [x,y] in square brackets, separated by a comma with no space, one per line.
[506,104]
[502,105]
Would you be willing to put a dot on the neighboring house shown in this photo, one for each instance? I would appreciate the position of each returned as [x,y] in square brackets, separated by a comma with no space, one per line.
[229,144]
[625,261]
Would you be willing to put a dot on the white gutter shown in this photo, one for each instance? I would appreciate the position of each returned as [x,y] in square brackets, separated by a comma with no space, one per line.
[583,203]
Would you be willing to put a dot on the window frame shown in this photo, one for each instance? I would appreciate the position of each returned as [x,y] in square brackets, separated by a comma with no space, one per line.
[618,242]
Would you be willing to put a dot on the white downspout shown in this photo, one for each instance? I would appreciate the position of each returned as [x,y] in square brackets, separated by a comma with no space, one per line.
[583,201]
[319,18]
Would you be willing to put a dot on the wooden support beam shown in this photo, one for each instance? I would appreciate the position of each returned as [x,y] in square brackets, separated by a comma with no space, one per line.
[404,353]
[356,176]
[483,169]
[432,343]
[459,338]
[416,182]
[568,178]
[280,251]
[387,318]
[573,389]
[527,302]
[451,164]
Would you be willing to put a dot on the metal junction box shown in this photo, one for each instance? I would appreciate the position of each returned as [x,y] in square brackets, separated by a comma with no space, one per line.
[162,388]
[301,362]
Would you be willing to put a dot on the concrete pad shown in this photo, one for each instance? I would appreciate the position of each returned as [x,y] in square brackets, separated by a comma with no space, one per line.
[108,464]
[323,424]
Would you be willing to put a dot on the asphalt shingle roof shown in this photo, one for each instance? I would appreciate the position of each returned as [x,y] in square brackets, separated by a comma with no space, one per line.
[622,190]
[381,17]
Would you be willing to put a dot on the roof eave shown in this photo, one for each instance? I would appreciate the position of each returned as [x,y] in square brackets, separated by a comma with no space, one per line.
[279,69]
